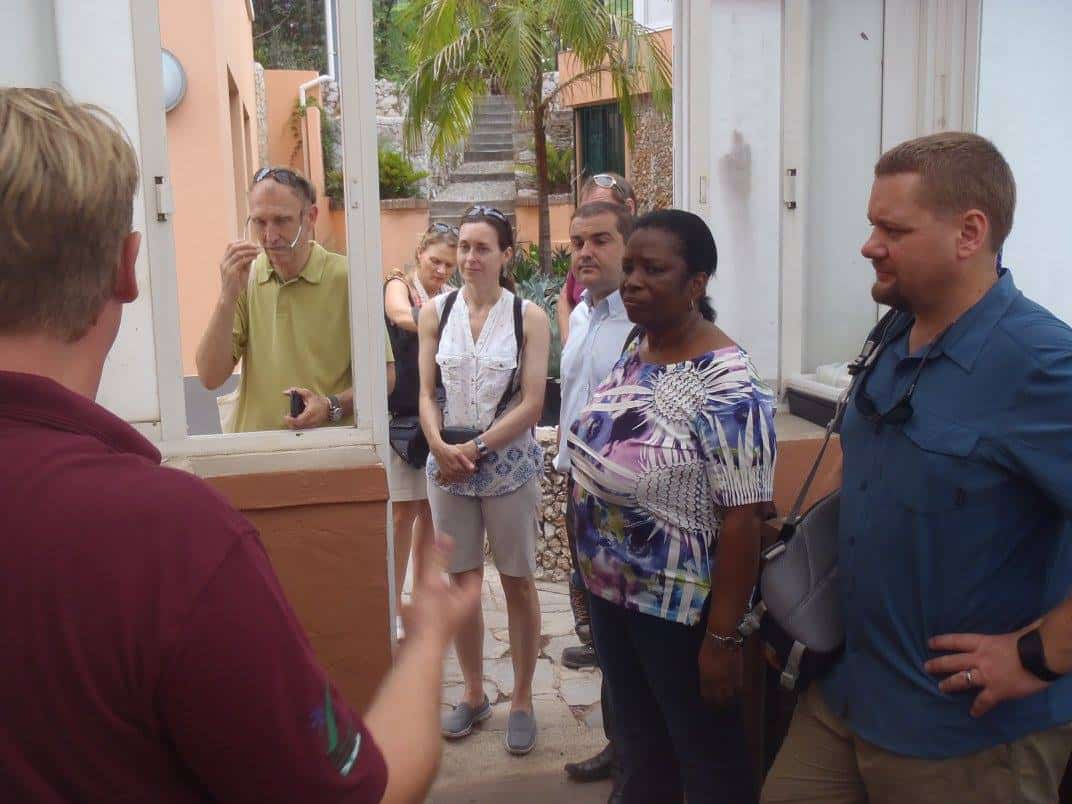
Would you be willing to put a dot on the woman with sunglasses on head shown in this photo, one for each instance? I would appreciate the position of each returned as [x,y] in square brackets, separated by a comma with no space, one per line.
[490,353]
[613,189]
[673,466]
[404,293]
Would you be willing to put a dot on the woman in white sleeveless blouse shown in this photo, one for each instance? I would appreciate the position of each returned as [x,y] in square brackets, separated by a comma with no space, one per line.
[491,483]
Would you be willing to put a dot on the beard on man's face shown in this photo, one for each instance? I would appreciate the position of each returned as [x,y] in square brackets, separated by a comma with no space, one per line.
[889,295]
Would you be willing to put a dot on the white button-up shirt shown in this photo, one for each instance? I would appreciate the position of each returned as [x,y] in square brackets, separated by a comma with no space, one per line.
[596,337]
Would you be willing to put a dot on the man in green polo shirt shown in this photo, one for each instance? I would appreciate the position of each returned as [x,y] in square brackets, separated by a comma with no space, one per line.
[284,313]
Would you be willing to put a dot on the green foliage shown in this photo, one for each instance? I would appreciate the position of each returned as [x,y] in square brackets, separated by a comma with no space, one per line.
[559,168]
[393,30]
[462,47]
[330,137]
[398,178]
[543,290]
[526,262]
[560,261]
[333,188]
[289,35]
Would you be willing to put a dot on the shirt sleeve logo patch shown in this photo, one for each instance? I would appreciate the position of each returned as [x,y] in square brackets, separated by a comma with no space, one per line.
[341,752]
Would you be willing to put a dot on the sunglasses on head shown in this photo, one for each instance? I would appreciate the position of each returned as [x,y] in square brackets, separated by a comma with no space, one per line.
[608,182]
[281,175]
[442,228]
[490,212]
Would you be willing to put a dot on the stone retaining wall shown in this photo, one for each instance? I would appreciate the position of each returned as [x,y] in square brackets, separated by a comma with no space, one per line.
[652,165]
[552,550]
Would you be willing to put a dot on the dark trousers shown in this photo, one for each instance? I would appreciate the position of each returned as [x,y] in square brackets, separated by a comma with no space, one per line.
[668,741]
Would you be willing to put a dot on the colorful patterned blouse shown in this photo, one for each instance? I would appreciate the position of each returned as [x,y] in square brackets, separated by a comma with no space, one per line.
[657,456]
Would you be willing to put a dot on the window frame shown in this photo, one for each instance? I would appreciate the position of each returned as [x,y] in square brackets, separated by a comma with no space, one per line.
[169,431]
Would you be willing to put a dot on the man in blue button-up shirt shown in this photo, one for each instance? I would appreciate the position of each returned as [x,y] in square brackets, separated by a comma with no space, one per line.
[957,487]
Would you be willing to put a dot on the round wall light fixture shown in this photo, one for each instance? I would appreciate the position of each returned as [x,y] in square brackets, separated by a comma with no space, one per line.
[174,80]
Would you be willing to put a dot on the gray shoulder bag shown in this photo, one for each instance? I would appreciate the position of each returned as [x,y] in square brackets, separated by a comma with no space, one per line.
[797,609]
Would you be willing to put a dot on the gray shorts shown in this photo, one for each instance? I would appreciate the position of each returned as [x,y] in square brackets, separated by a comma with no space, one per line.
[510,520]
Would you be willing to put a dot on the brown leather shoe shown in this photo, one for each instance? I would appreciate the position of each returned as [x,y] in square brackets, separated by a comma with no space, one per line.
[593,769]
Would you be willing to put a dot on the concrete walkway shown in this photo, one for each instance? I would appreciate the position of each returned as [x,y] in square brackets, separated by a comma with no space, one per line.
[478,769]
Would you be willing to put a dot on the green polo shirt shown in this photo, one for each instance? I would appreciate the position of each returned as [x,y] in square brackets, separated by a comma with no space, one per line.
[294,333]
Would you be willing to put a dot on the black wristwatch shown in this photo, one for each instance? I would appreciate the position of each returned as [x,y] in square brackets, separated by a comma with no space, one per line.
[481,448]
[1032,657]
[334,409]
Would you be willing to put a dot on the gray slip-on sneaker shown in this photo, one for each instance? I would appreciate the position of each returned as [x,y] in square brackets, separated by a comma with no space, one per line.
[520,733]
[459,721]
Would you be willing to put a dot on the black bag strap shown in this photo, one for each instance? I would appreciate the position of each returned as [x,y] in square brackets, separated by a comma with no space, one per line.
[634,335]
[448,305]
[519,336]
[873,346]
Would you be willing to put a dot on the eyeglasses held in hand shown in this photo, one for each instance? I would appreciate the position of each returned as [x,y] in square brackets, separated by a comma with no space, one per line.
[479,211]
[293,243]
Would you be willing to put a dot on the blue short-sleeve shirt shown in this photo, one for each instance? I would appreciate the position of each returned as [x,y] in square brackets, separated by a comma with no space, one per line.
[954,523]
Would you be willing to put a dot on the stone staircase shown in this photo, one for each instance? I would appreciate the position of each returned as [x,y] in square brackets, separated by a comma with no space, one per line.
[486,175]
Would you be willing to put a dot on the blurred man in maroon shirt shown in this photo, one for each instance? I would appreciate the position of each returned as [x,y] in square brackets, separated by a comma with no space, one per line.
[149,652]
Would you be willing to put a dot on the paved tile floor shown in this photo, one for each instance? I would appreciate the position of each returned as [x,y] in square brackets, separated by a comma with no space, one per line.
[477,769]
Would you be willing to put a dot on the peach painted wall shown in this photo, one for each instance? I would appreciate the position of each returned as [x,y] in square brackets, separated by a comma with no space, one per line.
[335,228]
[281,93]
[400,230]
[528,224]
[213,40]
[584,93]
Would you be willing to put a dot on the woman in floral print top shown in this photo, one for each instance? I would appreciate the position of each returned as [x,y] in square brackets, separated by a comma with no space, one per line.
[673,464]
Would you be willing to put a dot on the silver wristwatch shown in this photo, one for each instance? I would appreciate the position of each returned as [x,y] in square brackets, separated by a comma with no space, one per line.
[481,448]
[334,408]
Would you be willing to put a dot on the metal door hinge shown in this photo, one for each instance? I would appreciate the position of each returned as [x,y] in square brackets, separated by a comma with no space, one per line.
[789,188]
[165,204]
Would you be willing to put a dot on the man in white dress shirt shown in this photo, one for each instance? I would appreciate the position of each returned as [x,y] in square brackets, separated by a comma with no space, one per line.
[598,330]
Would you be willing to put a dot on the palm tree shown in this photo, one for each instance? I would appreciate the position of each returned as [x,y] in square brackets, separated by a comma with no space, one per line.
[463,46]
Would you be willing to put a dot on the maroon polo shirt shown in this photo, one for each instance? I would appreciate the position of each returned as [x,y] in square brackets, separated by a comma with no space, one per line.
[147,652]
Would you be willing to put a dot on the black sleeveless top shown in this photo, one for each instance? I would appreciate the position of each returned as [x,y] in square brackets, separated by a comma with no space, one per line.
[403,400]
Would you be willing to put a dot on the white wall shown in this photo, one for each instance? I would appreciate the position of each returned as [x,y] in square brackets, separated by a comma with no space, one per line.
[844,137]
[743,62]
[96,56]
[28,57]
[656,14]
[1025,108]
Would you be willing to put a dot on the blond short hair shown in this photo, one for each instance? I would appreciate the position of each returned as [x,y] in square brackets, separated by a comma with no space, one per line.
[68,175]
[958,171]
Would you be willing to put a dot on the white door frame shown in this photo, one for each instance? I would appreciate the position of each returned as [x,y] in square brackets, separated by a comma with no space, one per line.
[930,83]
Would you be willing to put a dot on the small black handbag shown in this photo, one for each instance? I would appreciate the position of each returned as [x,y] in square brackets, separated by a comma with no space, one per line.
[407,439]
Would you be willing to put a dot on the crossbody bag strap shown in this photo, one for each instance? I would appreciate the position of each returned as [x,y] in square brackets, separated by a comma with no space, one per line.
[633,335]
[873,346]
[448,305]
[519,333]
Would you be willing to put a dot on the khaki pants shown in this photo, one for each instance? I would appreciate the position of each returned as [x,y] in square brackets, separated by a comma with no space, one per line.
[823,761]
